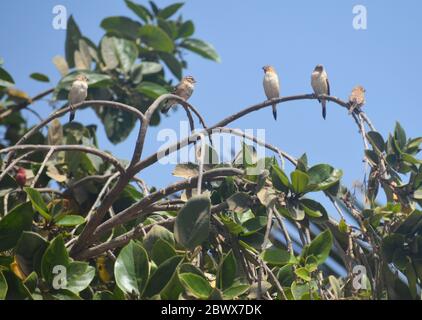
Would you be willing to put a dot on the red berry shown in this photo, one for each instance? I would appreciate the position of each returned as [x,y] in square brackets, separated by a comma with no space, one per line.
[21,177]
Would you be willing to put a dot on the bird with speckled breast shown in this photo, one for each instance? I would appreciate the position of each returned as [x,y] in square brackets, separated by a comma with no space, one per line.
[184,90]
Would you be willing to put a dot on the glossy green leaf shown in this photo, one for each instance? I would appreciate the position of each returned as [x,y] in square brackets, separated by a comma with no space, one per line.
[156,38]
[55,255]
[186,30]
[192,223]
[121,26]
[202,48]
[322,177]
[18,220]
[376,140]
[73,35]
[170,10]
[299,181]
[235,291]
[141,11]
[276,256]
[39,77]
[303,274]
[320,247]
[131,269]
[196,285]
[118,52]
[161,277]
[162,251]
[172,63]
[227,271]
[6,79]
[38,202]
[70,220]
[151,89]
[279,179]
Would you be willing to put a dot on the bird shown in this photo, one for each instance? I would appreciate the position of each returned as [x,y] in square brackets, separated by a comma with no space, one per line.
[78,93]
[184,90]
[321,85]
[356,98]
[271,86]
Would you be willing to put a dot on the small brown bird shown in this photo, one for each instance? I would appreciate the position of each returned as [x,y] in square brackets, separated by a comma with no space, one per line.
[271,86]
[321,85]
[184,90]
[21,177]
[357,98]
[78,93]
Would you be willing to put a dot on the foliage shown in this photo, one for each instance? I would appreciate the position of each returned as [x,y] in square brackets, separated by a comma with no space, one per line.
[238,236]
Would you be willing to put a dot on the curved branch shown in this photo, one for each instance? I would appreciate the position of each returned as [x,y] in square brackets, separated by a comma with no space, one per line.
[103,155]
[133,211]
[23,105]
[65,110]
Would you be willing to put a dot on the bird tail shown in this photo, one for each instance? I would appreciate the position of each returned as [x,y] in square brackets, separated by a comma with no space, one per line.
[167,106]
[72,116]
[324,108]
[275,111]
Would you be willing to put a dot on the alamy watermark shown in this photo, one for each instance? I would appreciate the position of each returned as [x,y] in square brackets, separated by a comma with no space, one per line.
[59,21]
[360,19]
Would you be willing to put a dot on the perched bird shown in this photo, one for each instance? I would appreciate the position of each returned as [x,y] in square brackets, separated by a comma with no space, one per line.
[77,93]
[271,86]
[357,98]
[320,85]
[184,90]
[21,177]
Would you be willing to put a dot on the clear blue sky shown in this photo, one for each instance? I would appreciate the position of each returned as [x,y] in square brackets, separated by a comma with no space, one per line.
[293,36]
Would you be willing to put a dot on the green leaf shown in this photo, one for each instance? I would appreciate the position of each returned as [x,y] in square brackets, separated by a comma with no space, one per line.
[253,225]
[303,274]
[227,271]
[13,224]
[186,29]
[121,26]
[156,233]
[376,140]
[172,63]
[150,67]
[118,52]
[140,11]
[167,12]
[276,256]
[117,123]
[156,38]
[239,202]
[314,209]
[372,157]
[79,276]
[400,136]
[3,286]
[320,247]
[196,285]
[55,255]
[39,77]
[6,79]
[279,179]
[192,224]
[322,177]
[151,89]
[70,220]
[161,277]
[131,269]
[29,251]
[235,291]
[202,48]
[73,35]
[161,251]
[299,181]
[286,275]
[38,202]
